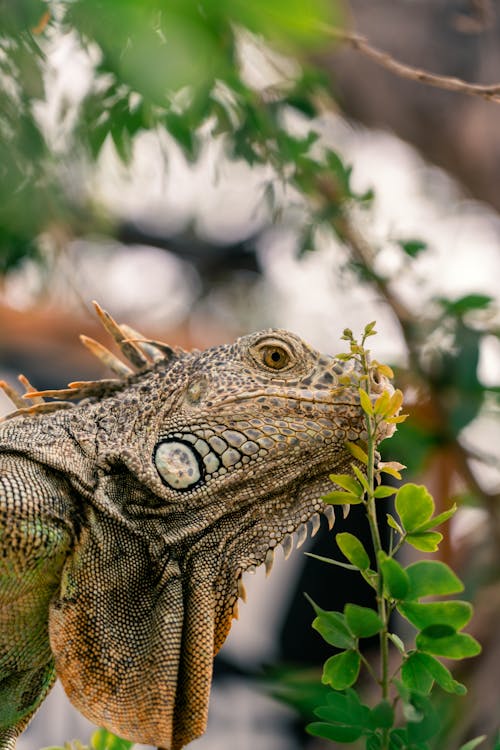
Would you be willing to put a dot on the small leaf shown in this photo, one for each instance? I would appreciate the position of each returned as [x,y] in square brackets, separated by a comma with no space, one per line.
[341,671]
[347,707]
[395,578]
[473,743]
[426,722]
[397,642]
[415,674]
[357,452]
[395,403]
[344,708]
[425,541]
[353,549]
[453,613]
[384,491]
[441,674]
[397,420]
[347,483]
[365,401]
[431,578]
[469,302]
[439,519]
[363,480]
[381,404]
[383,369]
[334,732]
[362,621]
[332,627]
[104,740]
[414,506]
[412,247]
[337,497]
[391,467]
[382,715]
[394,524]
[455,646]
[373,742]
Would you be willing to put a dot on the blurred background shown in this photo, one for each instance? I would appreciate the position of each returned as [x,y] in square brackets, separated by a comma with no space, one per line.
[204,170]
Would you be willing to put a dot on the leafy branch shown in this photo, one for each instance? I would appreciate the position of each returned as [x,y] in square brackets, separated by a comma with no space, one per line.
[438,623]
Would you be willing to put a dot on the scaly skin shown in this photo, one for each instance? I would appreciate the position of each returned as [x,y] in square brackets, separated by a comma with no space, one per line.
[127,520]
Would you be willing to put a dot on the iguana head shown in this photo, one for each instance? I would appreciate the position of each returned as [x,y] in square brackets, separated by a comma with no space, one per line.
[202,464]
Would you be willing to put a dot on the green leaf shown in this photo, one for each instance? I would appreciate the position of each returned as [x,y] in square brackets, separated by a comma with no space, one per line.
[397,642]
[344,708]
[426,723]
[396,581]
[426,541]
[415,674]
[414,506]
[347,483]
[398,739]
[353,549]
[441,674]
[439,519]
[431,578]
[104,740]
[357,452]
[373,742]
[384,491]
[473,743]
[412,247]
[363,480]
[394,524]
[332,626]
[454,613]
[382,715]
[334,732]
[341,671]
[365,401]
[341,498]
[362,621]
[464,304]
[453,646]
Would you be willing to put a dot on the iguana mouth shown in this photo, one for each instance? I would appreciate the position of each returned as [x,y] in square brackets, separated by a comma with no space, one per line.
[288,542]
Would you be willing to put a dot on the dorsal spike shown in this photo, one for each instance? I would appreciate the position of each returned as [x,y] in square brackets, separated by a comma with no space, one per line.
[129,349]
[105,356]
[30,390]
[44,408]
[80,390]
[11,393]
[135,337]
[157,349]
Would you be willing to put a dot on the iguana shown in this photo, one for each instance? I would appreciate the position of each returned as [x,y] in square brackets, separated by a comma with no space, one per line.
[128,518]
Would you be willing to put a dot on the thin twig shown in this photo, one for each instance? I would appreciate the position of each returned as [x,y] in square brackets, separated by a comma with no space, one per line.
[490,92]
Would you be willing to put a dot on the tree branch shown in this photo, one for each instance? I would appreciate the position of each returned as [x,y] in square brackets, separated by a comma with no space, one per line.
[490,92]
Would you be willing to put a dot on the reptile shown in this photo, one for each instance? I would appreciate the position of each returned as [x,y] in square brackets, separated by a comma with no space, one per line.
[131,506]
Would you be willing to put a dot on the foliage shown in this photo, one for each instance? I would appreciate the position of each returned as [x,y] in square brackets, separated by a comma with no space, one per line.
[403,715]
[100,740]
[173,67]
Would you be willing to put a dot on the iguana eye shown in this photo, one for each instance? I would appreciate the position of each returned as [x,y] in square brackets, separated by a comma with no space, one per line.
[275,357]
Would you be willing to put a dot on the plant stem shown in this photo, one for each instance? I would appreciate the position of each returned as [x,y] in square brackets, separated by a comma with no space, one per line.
[371,425]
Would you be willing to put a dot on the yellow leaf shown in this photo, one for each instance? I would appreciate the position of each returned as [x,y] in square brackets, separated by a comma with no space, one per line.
[365,402]
[357,452]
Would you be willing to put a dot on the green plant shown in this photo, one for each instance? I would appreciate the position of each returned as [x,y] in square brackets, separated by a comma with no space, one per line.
[100,740]
[403,715]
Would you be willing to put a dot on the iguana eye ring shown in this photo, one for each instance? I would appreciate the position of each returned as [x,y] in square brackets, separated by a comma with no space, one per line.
[275,357]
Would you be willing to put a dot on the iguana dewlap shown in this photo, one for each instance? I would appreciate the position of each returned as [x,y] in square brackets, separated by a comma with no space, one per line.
[127,520]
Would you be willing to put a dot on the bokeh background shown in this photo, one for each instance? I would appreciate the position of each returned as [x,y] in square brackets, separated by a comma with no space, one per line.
[208,169]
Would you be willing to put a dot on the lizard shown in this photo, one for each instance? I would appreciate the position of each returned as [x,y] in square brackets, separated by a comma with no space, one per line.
[131,506]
